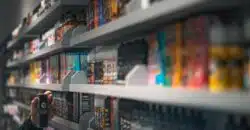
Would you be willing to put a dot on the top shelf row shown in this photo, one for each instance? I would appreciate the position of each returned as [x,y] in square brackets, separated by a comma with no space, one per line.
[41,19]
[132,24]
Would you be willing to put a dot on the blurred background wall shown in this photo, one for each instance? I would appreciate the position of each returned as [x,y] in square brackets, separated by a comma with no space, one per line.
[12,12]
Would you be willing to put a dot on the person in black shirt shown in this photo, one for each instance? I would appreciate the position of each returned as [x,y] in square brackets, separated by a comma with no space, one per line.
[31,122]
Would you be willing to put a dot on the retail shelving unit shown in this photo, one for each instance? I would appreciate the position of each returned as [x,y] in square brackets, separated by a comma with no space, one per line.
[134,24]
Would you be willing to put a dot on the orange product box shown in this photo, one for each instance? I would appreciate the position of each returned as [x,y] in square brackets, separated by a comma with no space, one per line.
[96,13]
[177,56]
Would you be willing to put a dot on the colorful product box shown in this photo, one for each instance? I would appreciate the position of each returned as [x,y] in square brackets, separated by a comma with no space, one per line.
[32,73]
[84,61]
[107,10]
[43,72]
[114,9]
[101,12]
[161,37]
[64,65]
[110,71]
[37,72]
[99,72]
[178,56]
[55,69]
[49,37]
[77,61]
[170,50]
[102,112]
[90,16]
[64,28]
[154,69]
[196,45]
[174,54]
[91,73]
[96,13]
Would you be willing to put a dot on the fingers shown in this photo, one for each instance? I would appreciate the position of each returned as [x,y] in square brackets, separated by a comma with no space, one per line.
[47,92]
[52,110]
[50,97]
[34,103]
[33,112]
[52,104]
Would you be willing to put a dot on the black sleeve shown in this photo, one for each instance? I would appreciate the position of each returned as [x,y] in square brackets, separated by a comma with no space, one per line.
[28,125]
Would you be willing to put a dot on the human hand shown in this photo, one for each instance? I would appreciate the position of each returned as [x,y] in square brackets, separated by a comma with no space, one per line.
[34,112]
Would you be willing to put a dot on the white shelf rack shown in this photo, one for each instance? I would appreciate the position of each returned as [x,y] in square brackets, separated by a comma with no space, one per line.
[52,87]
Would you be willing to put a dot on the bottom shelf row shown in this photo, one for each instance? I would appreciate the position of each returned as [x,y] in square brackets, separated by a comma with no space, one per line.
[88,112]
[56,123]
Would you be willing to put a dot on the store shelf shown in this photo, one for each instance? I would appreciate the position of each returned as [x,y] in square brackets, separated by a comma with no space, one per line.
[44,52]
[141,22]
[21,105]
[22,38]
[14,63]
[47,20]
[231,101]
[62,124]
[52,87]
[57,122]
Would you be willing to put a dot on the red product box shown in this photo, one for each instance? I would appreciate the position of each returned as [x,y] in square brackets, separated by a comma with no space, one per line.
[196,40]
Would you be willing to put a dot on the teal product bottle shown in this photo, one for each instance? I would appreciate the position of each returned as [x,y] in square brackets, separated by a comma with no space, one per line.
[161,78]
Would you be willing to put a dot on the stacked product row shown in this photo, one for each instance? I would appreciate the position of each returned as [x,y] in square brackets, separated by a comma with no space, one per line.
[100,12]
[53,36]
[33,16]
[97,13]
[100,65]
[50,70]
[99,112]
[202,52]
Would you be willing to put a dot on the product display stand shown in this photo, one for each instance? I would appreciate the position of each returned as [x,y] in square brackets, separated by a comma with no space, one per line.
[137,76]
[74,78]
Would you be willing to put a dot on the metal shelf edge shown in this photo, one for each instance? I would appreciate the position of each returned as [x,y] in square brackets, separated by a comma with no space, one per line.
[51,87]
[46,51]
[229,101]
